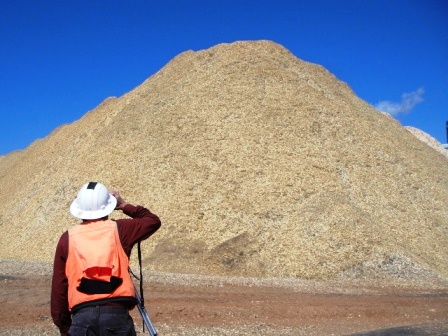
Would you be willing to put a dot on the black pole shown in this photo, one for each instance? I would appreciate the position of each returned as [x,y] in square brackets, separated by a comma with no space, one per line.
[447,131]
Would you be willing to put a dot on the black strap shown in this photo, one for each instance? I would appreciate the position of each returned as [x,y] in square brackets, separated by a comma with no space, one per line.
[142,299]
[141,275]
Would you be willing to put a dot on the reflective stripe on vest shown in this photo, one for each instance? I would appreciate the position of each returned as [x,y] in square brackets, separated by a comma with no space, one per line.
[97,266]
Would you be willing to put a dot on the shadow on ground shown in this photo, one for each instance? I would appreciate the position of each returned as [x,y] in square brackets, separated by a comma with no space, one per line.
[430,329]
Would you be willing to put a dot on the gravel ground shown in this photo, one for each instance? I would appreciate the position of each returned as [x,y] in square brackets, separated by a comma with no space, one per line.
[205,305]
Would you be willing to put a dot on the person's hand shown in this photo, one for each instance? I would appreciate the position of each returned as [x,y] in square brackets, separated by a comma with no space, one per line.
[120,201]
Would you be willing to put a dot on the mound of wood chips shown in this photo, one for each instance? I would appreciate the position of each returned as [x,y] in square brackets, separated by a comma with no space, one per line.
[258,163]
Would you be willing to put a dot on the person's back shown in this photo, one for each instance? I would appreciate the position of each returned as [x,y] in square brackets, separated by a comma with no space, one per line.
[91,286]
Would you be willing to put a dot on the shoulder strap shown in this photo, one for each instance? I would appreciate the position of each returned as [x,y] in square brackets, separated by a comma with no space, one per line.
[141,274]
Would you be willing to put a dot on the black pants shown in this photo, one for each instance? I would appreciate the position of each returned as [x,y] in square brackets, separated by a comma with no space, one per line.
[102,321]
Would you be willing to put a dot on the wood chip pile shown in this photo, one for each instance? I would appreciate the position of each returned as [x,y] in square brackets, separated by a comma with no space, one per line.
[258,163]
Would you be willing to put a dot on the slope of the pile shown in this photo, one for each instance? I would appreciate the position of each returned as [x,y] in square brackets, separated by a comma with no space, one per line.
[258,163]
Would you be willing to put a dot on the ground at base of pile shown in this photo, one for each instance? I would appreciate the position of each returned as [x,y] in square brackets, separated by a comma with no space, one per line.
[231,308]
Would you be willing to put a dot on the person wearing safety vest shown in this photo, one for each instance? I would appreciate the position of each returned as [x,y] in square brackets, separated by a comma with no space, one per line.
[92,291]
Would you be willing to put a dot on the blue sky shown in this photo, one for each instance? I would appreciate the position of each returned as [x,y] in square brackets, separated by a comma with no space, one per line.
[60,59]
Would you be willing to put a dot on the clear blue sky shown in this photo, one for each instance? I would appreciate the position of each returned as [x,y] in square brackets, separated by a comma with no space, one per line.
[59,59]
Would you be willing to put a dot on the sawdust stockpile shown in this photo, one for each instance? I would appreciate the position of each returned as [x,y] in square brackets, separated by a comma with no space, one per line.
[258,163]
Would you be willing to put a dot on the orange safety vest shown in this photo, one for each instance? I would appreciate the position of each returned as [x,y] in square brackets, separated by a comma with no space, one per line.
[97,267]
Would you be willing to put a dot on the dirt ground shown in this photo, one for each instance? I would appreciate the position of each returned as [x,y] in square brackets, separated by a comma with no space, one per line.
[217,308]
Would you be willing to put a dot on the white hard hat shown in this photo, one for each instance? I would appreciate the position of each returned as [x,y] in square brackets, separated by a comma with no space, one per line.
[93,202]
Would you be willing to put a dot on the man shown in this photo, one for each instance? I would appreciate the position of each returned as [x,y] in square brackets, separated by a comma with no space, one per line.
[92,291]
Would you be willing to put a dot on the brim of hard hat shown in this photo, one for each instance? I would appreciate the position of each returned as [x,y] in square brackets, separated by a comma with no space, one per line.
[83,214]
